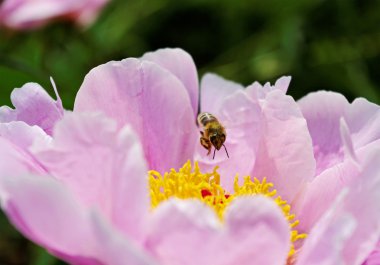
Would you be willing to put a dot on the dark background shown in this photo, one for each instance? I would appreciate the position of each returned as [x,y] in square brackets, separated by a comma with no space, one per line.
[323,45]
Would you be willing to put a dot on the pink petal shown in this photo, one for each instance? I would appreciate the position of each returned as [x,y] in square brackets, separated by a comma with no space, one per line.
[14,160]
[257,91]
[114,248]
[214,90]
[283,83]
[285,154]
[45,211]
[22,134]
[348,146]
[323,246]
[188,232]
[34,106]
[325,188]
[181,64]
[374,257]
[149,98]
[363,119]
[40,209]
[323,111]
[358,204]
[321,193]
[105,168]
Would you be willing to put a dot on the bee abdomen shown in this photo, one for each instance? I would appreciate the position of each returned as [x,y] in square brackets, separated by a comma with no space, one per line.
[205,117]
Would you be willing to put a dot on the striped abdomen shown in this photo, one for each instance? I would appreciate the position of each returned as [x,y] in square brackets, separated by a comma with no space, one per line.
[205,117]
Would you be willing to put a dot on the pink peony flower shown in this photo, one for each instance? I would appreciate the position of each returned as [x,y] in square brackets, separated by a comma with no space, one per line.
[84,195]
[28,14]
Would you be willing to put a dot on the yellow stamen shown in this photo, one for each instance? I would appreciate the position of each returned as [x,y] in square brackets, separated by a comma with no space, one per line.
[190,183]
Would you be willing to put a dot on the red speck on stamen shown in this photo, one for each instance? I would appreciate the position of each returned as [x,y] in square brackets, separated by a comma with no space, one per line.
[206,193]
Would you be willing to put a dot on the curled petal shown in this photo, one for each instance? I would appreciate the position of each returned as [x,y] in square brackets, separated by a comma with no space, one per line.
[34,106]
[323,112]
[347,143]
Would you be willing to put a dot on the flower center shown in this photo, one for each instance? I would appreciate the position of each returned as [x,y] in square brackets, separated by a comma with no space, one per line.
[189,183]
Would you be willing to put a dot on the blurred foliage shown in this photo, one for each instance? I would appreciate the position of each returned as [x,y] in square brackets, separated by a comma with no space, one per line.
[329,45]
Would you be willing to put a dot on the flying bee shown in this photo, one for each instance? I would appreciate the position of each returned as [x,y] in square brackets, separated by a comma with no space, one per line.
[214,133]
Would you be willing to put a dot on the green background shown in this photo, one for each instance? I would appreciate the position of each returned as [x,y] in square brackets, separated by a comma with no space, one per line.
[323,45]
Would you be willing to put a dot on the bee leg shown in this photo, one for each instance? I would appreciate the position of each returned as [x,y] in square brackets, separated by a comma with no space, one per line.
[202,133]
[206,144]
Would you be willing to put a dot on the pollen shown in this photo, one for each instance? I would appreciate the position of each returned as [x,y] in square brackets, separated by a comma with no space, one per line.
[191,183]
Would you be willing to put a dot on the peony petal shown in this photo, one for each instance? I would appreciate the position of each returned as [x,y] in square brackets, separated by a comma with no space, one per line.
[258,224]
[283,83]
[323,246]
[257,91]
[115,249]
[44,211]
[105,168]
[181,64]
[325,187]
[360,240]
[15,161]
[322,191]
[22,134]
[348,146]
[322,111]
[41,209]
[214,90]
[360,203]
[374,257]
[149,98]
[181,232]
[363,119]
[285,154]
[188,232]
[34,106]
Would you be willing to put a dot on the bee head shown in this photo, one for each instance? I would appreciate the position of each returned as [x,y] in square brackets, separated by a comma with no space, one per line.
[217,140]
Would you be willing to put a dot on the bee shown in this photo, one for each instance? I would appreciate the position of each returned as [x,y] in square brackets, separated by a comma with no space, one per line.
[214,133]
